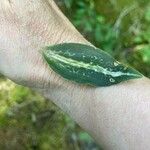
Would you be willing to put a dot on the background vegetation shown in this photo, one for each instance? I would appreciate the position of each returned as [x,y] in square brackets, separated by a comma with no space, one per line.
[29,122]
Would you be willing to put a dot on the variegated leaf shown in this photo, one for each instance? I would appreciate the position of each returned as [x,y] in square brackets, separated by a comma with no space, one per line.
[86,64]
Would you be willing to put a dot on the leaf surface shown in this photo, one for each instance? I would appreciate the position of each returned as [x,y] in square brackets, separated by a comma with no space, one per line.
[87,65]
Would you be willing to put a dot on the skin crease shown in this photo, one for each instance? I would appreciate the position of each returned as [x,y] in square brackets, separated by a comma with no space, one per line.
[116,116]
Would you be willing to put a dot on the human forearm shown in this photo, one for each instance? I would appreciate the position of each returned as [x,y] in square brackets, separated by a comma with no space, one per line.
[122,120]
[106,113]
[117,116]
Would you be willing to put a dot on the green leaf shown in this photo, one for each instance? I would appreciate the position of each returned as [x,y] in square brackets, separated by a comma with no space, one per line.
[87,65]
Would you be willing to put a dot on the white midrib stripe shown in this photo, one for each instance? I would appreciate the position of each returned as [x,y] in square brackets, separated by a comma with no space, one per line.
[80,64]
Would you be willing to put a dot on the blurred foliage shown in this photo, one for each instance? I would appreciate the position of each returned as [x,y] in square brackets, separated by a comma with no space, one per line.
[120,27]
[29,122]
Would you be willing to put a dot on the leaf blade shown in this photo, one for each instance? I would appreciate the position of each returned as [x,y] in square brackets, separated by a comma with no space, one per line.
[87,65]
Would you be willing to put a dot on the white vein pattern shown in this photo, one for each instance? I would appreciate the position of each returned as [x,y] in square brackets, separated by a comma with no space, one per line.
[79,64]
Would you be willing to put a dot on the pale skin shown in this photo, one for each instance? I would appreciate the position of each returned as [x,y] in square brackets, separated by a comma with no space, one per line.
[118,117]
